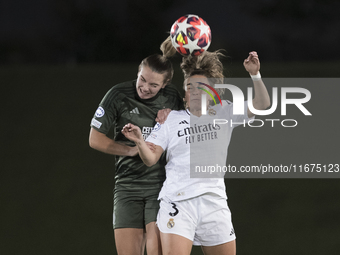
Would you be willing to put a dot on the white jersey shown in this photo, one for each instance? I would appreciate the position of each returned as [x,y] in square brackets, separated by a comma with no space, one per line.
[193,144]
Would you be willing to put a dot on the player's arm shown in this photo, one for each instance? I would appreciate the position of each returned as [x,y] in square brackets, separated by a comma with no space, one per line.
[261,101]
[149,157]
[101,142]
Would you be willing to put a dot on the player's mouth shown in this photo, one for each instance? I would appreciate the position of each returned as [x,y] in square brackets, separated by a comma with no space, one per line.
[144,93]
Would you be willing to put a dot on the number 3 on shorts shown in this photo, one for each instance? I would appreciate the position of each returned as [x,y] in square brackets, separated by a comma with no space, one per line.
[176,210]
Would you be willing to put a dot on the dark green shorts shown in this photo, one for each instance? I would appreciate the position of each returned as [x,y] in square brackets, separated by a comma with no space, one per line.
[134,209]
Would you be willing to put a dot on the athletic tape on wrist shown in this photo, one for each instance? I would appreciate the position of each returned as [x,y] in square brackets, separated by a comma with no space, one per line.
[256,77]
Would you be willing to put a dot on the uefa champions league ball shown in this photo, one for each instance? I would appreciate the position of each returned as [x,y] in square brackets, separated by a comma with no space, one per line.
[190,35]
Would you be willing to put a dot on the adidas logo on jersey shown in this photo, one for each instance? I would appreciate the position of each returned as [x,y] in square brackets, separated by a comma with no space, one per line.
[183,122]
[135,111]
[232,232]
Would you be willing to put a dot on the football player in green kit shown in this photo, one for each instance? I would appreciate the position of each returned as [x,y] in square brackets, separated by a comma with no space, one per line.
[136,185]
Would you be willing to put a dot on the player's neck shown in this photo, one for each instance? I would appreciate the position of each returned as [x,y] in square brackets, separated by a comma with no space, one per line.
[196,112]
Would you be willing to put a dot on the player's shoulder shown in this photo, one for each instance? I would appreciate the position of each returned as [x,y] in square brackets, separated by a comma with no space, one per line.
[177,113]
[175,118]
[170,90]
[120,90]
[127,87]
[174,115]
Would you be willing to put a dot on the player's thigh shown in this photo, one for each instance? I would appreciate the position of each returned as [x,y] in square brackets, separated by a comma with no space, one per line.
[221,249]
[151,206]
[215,225]
[173,244]
[128,210]
[177,227]
[153,239]
[129,241]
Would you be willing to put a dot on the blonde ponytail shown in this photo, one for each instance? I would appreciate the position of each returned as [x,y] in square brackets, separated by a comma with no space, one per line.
[167,48]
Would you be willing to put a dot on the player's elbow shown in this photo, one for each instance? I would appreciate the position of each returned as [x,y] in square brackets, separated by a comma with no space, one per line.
[261,105]
[93,142]
[95,139]
[266,104]
[150,163]
[266,101]
[151,158]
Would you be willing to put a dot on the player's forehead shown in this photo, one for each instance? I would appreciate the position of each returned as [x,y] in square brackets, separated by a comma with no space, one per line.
[151,76]
[196,80]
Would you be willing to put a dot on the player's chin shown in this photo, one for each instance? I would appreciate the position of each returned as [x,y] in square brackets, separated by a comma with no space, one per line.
[145,95]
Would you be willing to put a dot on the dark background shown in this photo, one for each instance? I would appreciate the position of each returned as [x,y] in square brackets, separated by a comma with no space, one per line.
[58,59]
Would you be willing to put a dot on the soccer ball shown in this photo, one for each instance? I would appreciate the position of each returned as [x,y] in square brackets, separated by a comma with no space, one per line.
[190,35]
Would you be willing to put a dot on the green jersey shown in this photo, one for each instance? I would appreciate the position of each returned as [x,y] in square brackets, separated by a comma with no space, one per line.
[122,105]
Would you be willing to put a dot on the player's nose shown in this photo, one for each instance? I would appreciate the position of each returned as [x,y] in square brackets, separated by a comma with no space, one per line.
[145,88]
[196,91]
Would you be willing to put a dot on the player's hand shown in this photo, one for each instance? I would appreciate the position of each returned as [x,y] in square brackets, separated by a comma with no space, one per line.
[162,115]
[132,132]
[252,63]
[151,146]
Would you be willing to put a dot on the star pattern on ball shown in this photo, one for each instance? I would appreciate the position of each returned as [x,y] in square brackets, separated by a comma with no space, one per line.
[204,29]
[182,26]
[190,35]
[192,47]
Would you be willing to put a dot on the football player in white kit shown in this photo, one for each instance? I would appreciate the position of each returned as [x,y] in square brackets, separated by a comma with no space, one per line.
[195,210]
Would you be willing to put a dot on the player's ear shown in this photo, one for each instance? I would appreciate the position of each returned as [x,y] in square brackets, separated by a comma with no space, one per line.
[185,84]
[165,83]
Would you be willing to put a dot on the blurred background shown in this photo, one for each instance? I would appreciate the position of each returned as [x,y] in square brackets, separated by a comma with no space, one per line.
[103,31]
[57,60]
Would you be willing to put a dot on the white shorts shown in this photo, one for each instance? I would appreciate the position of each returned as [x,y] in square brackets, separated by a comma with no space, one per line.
[205,220]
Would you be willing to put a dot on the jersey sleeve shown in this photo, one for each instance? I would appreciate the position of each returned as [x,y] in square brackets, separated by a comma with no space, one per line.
[237,119]
[159,135]
[106,113]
